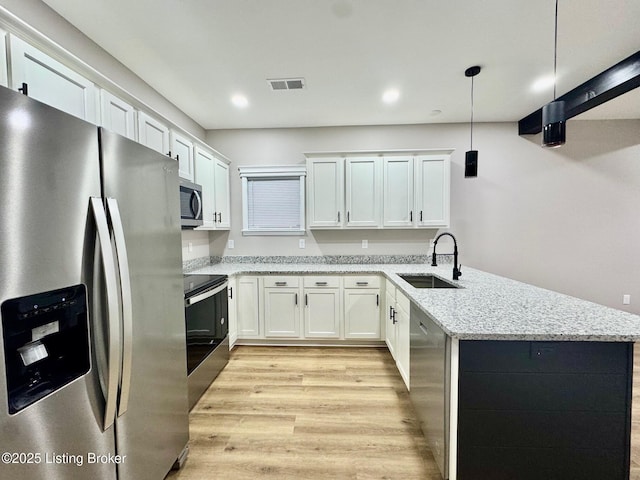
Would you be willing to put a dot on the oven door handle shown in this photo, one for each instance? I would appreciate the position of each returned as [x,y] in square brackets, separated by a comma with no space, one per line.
[203,296]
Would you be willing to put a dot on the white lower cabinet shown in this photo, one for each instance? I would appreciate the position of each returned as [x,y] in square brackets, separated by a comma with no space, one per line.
[232,315]
[281,307]
[247,306]
[322,307]
[362,307]
[396,320]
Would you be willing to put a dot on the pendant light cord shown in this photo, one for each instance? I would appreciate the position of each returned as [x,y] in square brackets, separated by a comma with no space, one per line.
[471,113]
[555,52]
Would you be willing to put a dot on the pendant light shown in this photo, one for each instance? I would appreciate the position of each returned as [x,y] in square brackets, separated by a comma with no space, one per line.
[553,117]
[471,157]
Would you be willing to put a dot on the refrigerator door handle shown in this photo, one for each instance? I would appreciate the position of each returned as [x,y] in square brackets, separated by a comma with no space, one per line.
[113,311]
[127,303]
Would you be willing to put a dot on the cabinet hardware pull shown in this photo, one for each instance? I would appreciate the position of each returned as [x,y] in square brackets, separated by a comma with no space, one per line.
[420,215]
[296,299]
[411,216]
[362,284]
[178,156]
[24,89]
[231,293]
[390,313]
[219,217]
[377,300]
[214,217]
[348,217]
[169,154]
[338,217]
[321,284]
[306,300]
[281,284]
[394,317]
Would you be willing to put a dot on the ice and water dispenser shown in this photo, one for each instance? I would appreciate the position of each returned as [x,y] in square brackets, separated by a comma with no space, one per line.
[46,343]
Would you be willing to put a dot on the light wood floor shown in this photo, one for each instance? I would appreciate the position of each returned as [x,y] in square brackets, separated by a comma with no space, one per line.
[313,413]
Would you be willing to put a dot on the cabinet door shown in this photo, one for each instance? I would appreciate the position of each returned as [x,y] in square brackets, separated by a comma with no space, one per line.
[325,194]
[362,313]
[432,190]
[4,75]
[233,314]
[403,307]
[153,134]
[247,312]
[322,313]
[222,203]
[397,209]
[387,315]
[117,115]
[364,191]
[50,82]
[204,175]
[182,151]
[281,312]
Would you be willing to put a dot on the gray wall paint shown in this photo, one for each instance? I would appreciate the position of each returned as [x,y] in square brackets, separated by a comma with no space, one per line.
[564,219]
[43,19]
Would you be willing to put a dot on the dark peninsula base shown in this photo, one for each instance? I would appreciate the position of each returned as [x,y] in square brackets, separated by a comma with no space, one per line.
[544,410]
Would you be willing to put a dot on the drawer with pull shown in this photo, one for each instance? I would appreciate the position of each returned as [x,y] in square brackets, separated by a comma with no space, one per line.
[321,282]
[281,281]
[362,281]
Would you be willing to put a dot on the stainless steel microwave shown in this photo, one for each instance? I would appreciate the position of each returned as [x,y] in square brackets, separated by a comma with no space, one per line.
[190,204]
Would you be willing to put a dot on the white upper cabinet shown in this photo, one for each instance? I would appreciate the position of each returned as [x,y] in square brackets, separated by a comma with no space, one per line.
[222,206]
[4,77]
[117,115]
[397,209]
[432,190]
[213,174]
[182,151]
[363,191]
[204,176]
[50,82]
[153,133]
[325,194]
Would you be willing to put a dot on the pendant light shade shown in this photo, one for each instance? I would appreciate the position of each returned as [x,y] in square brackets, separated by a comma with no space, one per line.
[553,113]
[471,156]
[553,124]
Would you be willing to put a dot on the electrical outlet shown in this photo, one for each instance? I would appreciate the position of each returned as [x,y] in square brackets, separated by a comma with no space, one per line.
[626,299]
[365,243]
[231,244]
[301,243]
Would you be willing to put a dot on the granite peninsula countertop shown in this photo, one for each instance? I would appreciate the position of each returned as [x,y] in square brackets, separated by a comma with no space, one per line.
[487,307]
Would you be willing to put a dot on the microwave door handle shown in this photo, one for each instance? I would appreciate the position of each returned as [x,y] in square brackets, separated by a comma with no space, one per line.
[113,312]
[127,303]
[196,211]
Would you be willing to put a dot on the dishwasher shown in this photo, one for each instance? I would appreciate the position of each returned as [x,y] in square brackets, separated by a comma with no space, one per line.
[430,381]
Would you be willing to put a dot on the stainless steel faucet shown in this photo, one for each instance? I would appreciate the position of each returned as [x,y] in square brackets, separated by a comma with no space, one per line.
[456,270]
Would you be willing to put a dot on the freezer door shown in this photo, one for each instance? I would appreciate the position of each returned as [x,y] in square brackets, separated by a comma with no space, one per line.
[49,170]
[154,428]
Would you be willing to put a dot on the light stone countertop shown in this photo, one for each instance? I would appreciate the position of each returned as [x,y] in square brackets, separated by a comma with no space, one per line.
[488,307]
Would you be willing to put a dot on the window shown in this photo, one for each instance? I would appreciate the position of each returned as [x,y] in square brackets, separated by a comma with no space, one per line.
[273,200]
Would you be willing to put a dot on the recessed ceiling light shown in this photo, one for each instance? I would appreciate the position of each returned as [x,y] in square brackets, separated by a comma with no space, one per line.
[240,101]
[390,96]
[542,83]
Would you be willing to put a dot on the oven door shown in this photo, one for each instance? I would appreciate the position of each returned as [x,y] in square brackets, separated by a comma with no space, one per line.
[206,317]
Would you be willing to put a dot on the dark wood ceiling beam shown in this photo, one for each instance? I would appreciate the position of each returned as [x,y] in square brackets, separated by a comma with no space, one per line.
[621,78]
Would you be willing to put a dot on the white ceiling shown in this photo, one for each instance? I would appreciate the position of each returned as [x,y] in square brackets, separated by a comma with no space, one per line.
[199,53]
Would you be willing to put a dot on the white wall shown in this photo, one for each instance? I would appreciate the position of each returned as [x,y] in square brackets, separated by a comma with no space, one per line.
[44,20]
[565,219]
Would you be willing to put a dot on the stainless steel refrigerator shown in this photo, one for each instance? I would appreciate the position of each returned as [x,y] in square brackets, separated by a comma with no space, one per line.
[93,379]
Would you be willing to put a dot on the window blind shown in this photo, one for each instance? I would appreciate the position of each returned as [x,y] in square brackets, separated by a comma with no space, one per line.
[273,203]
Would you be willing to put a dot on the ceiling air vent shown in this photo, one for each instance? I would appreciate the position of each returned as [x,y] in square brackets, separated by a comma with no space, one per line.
[286,83]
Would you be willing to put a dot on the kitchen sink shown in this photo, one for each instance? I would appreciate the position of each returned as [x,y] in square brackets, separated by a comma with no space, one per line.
[427,281]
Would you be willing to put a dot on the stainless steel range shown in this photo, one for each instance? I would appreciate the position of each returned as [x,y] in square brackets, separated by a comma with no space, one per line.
[206,316]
